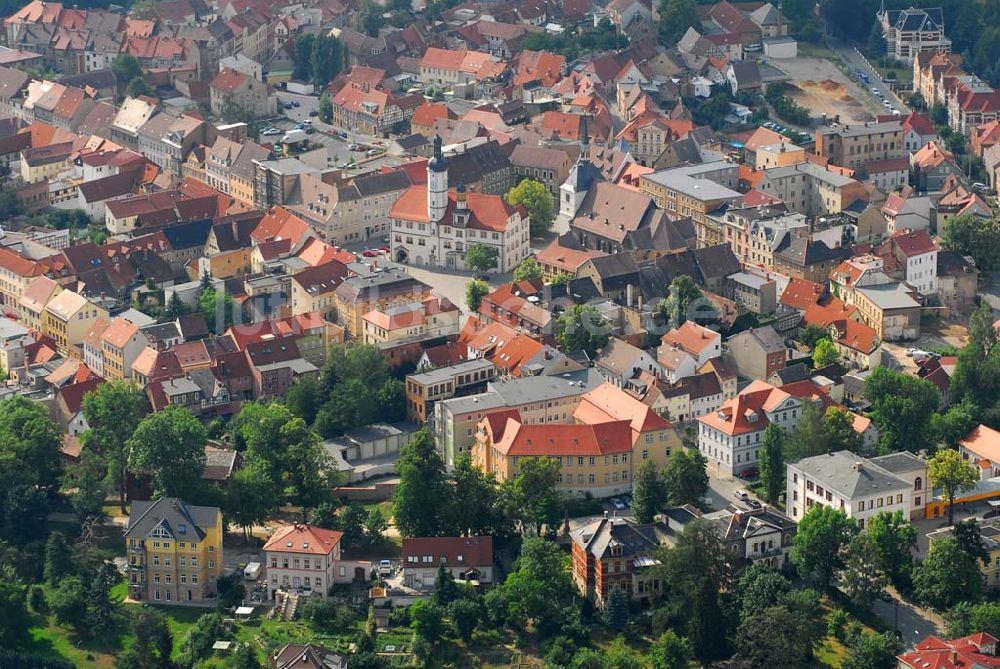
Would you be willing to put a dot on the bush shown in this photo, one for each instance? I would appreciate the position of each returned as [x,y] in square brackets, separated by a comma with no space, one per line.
[836,621]
[231,589]
[36,600]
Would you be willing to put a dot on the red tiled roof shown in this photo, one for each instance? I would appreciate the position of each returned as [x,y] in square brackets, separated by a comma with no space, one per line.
[488,212]
[985,442]
[746,413]
[545,440]
[303,539]
[427,113]
[229,80]
[691,337]
[801,294]
[474,551]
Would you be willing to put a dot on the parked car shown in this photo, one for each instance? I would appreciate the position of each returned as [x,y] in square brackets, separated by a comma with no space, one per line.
[342,134]
[371,253]
[307,121]
[289,105]
[314,112]
[741,495]
[353,147]
[385,568]
[384,248]
[295,103]
[752,503]
[270,131]
[373,152]
[618,504]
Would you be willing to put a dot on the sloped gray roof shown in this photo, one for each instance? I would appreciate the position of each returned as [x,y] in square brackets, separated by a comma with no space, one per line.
[179,519]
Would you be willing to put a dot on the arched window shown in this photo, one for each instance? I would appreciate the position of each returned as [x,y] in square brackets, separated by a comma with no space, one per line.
[918,483]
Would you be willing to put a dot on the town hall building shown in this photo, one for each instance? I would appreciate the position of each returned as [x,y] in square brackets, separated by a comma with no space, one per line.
[432,225]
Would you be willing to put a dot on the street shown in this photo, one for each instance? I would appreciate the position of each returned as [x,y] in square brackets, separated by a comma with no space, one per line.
[914,624]
[856,62]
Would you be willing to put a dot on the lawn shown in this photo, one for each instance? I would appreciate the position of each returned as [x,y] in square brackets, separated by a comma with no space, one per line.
[809,50]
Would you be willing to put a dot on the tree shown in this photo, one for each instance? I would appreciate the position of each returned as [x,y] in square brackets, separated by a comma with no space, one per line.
[948,471]
[902,406]
[137,87]
[304,399]
[970,539]
[811,435]
[481,257]
[528,270]
[310,474]
[421,497]
[475,291]
[217,308]
[153,645]
[863,577]
[676,16]
[893,539]
[967,618]
[818,545]
[445,588]
[760,588]
[533,493]
[977,375]
[675,309]
[326,59]
[686,477]
[974,236]
[29,444]
[780,636]
[251,496]
[68,602]
[538,586]
[475,504]
[695,569]
[873,651]
[101,613]
[812,333]
[303,56]
[427,620]
[616,609]
[58,559]
[15,622]
[113,411]
[375,527]
[126,68]
[948,576]
[840,428]
[649,492]
[465,614]
[537,199]
[244,657]
[954,425]
[351,521]
[825,354]
[169,446]
[87,479]
[670,652]
[582,328]
[772,463]
[876,42]
[562,277]
[325,108]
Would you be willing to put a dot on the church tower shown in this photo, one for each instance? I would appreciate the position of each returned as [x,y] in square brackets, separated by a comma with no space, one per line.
[437,183]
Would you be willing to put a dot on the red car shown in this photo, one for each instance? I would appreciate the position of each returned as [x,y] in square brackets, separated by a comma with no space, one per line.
[371,253]
[384,248]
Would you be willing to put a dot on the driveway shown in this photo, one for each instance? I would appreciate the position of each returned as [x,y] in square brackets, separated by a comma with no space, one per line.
[856,62]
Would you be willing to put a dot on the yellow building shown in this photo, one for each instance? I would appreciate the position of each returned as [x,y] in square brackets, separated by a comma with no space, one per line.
[45,162]
[68,318]
[174,551]
[377,287]
[779,155]
[226,264]
[599,453]
[121,342]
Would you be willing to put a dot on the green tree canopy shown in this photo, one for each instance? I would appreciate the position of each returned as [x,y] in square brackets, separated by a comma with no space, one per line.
[817,548]
[772,462]
[902,406]
[948,576]
[422,495]
[113,411]
[673,311]
[533,494]
[974,236]
[482,257]
[686,477]
[825,353]
[863,575]
[676,16]
[475,291]
[169,446]
[894,539]
[528,270]
[948,471]
[537,199]
[649,491]
[582,328]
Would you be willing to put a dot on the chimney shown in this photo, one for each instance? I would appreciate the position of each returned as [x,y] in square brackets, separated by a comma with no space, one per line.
[857,466]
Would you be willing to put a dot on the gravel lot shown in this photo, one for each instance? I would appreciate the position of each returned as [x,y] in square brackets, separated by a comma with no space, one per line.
[822,87]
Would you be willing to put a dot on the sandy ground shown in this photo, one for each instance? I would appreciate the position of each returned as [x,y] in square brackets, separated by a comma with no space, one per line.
[820,87]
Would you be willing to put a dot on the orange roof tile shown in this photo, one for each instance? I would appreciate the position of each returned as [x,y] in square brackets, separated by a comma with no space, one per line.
[303,539]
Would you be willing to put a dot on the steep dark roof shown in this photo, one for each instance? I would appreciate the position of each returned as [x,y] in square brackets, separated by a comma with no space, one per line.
[188,235]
